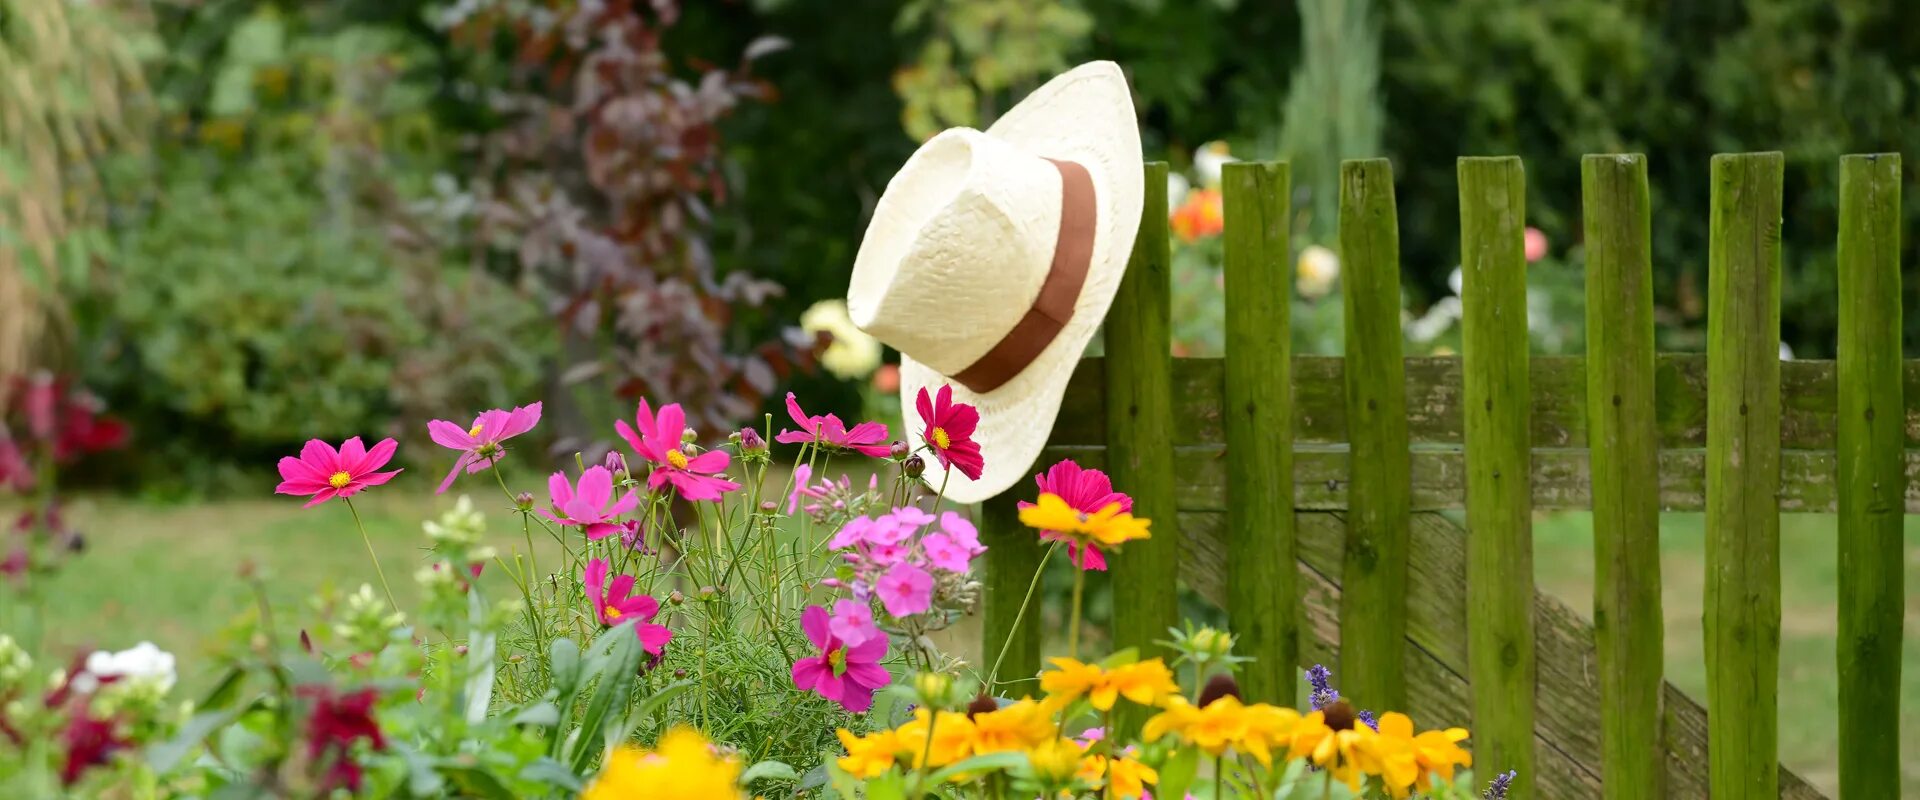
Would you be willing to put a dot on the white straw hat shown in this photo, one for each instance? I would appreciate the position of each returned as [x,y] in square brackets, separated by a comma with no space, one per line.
[992,258]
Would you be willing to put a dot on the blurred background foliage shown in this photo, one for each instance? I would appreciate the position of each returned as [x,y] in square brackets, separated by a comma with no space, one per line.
[278,220]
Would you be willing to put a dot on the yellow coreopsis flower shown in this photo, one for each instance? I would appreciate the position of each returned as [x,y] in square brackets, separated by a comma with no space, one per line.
[1069,680]
[683,766]
[1129,778]
[1018,726]
[1143,682]
[868,756]
[1409,762]
[952,738]
[1336,742]
[1222,724]
[1056,761]
[1268,728]
[1105,528]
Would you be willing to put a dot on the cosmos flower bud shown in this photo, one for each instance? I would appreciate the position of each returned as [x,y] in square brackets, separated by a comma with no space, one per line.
[933,689]
[913,466]
[689,436]
[676,598]
[750,441]
[523,501]
[898,449]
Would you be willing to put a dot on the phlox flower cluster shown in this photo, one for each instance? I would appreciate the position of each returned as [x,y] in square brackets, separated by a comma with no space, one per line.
[907,558]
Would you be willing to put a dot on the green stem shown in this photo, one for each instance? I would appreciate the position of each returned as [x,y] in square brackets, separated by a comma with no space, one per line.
[370,554]
[1020,615]
[1073,629]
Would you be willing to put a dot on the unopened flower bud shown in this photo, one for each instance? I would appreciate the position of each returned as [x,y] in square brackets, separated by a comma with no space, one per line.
[615,462]
[750,441]
[676,598]
[898,450]
[689,436]
[933,688]
[769,506]
[679,674]
[708,592]
[523,501]
[459,649]
[913,466]
[1212,642]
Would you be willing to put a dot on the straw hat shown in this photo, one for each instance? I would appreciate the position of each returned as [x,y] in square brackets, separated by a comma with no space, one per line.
[993,256]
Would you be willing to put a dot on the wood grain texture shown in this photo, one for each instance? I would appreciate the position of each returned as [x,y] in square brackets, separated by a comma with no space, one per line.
[1494,353]
[1263,605]
[1139,429]
[1625,470]
[1742,611]
[1872,476]
[1373,600]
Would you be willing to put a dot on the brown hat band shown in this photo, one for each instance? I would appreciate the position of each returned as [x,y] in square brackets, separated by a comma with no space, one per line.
[1072,256]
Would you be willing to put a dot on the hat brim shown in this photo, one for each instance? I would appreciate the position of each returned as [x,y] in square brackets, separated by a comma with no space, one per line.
[1085,115]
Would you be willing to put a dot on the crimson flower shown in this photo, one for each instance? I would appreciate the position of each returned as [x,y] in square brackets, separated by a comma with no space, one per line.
[1086,491]
[325,473]
[613,605]
[949,431]
[338,720]
[696,477]
[90,742]
[479,445]
[866,438]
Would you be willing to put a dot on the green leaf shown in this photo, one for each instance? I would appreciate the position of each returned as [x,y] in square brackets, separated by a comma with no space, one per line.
[473,781]
[564,658]
[647,707]
[1121,658]
[618,672]
[552,773]
[768,771]
[891,786]
[543,714]
[982,763]
[164,756]
[226,690]
[480,655]
[1178,773]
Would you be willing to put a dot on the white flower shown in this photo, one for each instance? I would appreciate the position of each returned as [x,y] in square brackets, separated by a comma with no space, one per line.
[853,354]
[146,662]
[1436,321]
[1786,353]
[1456,280]
[1207,162]
[1177,186]
[1316,272]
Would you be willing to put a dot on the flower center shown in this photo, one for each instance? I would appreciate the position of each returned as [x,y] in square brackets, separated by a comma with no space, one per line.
[613,614]
[940,438]
[676,459]
[837,658]
[340,480]
[475,430]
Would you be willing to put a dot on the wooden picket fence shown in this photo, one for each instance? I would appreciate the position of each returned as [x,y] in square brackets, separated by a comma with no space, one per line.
[1307,495]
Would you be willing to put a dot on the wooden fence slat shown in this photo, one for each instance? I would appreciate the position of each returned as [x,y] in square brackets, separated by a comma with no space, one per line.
[1013,555]
[1373,598]
[1625,454]
[1742,611]
[1872,476]
[1262,590]
[1494,349]
[1139,392]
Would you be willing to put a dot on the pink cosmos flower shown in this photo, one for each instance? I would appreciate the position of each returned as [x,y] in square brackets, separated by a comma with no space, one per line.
[845,673]
[613,606]
[587,504]
[325,473]
[905,590]
[866,438]
[801,474]
[479,445]
[949,431]
[658,441]
[853,622]
[1085,490]
[953,548]
[14,470]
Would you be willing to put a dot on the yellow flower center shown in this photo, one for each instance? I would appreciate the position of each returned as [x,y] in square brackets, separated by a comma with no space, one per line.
[613,614]
[340,480]
[475,430]
[676,459]
[941,439]
[837,658]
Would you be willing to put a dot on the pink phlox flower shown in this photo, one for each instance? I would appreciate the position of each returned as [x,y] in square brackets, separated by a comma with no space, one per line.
[616,604]
[590,503]
[955,546]
[325,473]
[866,438]
[479,445]
[14,470]
[1085,490]
[847,674]
[949,431]
[801,474]
[853,622]
[658,441]
[854,532]
[905,590]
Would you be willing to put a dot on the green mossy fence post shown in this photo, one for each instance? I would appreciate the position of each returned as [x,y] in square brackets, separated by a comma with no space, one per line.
[1873,481]
[1743,477]
[1494,352]
[1013,555]
[1373,582]
[1623,440]
[1139,373]
[1262,581]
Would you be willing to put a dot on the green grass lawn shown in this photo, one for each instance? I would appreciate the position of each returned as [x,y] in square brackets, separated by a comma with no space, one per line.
[169,574]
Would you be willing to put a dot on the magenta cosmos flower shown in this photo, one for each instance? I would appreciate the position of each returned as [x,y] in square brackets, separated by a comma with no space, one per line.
[589,504]
[949,431]
[479,445]
[612,604]
[1086,491]
[325,473]
[866,438]
[658,441]
[846,674]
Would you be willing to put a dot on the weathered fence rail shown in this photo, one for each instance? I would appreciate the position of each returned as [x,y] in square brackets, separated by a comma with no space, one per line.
[1305,494]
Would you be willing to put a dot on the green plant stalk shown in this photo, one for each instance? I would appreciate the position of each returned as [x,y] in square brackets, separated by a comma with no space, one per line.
[1021,615]
[370,554]
[1073,628]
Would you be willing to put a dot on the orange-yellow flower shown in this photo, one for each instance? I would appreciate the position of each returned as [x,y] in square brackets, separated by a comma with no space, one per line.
[683,766]
[868,756]
[1222,724]
[1018,726]
[1202,214]
[1107,528]
[1336,742]
[952,736]
[1056,762]
[1069,680]
[1143,682]
[1129,778]
[1410,762]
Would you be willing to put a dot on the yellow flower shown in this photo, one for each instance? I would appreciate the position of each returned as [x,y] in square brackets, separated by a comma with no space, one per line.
[1222,724]
[1143,682]
[868,756]
[1336,743]
[683,766]
[1268,728]
[1018,726]
[1069,679]
[952,738]
[1407,762]
[1056,761]
[852,353]
[1130,778]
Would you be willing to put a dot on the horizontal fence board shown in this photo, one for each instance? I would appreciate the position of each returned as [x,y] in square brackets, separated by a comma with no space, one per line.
[1568,691]
[1808,389]
[1808,479]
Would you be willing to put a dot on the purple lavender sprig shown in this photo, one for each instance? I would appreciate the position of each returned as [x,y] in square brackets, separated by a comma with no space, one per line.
[1323,694]
[1497,790]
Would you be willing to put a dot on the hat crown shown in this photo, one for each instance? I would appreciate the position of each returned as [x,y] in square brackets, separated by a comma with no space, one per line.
[958,248]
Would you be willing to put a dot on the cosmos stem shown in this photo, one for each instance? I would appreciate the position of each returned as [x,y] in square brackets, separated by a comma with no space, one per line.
[370,554]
